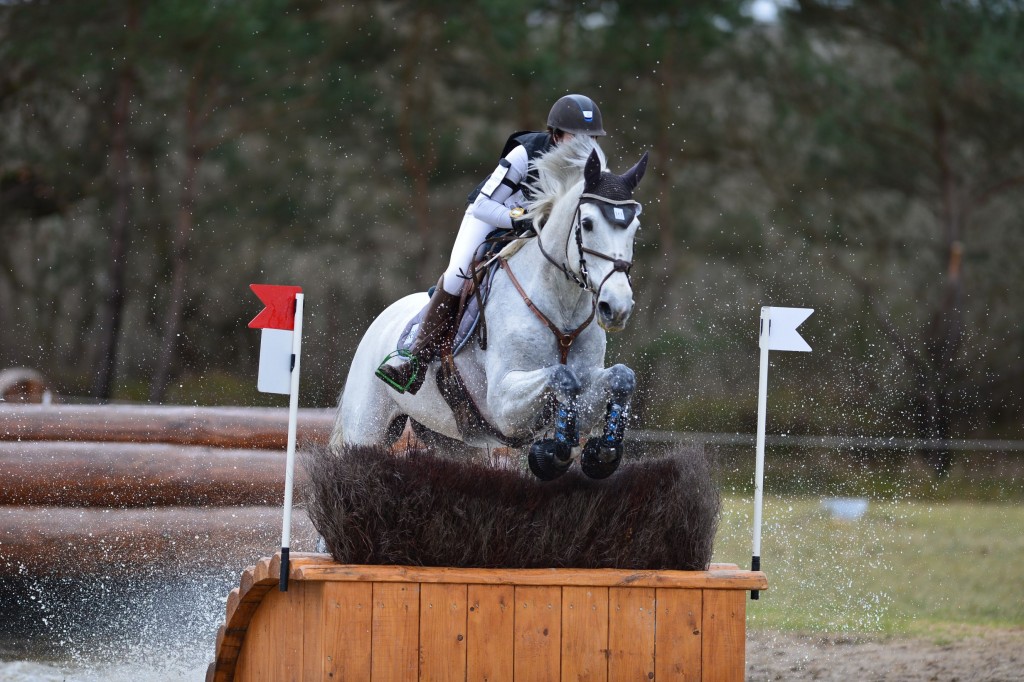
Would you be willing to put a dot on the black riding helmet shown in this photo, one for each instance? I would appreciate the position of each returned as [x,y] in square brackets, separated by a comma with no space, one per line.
[576,114]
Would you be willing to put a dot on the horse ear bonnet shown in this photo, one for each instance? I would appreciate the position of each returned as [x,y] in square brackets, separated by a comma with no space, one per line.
[614,188]
[609,185]
[635,174]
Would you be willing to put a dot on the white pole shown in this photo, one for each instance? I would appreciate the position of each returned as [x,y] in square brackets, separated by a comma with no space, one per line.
[762,411]
[293,418]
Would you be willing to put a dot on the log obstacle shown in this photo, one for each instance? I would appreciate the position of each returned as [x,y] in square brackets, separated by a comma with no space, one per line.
[105,488]
[124,542]
[227,427]
[69,474]
[375,623]
[22,385]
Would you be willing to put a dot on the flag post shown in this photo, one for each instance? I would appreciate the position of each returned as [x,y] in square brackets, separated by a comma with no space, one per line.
[280,356]
[762,413]
[777,332]
[293,418]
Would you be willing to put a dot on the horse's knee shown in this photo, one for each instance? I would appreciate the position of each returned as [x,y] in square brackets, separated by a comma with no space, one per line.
[564,384]
[621,380]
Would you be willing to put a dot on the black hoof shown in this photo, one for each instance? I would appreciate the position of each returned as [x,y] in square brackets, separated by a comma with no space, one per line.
[549,459]
[600,460]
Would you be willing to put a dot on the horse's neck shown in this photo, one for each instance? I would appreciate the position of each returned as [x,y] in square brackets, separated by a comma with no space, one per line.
[558,297]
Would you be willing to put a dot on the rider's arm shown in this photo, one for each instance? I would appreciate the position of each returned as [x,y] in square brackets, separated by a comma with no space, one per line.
[504,182]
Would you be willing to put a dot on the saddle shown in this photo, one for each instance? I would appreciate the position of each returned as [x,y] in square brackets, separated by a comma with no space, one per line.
[470,323]
[475,288]
[469,317]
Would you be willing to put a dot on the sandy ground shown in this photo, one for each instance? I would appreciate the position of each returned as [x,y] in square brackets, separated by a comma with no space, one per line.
[989,655]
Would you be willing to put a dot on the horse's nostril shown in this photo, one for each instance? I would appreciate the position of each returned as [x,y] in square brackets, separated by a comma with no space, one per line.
[605,309]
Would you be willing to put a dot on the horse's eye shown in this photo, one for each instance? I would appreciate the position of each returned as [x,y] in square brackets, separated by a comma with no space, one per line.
[588,224]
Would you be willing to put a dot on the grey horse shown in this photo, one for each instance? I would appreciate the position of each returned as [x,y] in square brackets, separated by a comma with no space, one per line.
[542,376]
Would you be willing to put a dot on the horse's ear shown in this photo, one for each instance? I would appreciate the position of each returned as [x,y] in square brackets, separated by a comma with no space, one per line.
[592,171]
[634,175]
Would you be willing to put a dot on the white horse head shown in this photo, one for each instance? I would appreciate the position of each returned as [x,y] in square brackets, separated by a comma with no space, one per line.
[588,210]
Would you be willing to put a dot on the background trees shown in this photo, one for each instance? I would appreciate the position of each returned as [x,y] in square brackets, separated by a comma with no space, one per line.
[859,158]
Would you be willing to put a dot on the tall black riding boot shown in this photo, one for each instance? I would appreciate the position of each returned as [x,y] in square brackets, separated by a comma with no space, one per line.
[405,372]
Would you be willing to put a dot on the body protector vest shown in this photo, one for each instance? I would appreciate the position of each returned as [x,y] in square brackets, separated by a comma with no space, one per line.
[535,143]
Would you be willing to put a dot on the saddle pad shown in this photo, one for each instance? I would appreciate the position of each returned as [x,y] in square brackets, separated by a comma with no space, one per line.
[467,325]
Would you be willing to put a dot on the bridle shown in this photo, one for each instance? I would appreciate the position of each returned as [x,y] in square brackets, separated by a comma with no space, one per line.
[582,279]
[566,339]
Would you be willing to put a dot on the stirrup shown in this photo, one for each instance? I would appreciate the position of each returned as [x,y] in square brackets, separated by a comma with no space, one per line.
[401,352]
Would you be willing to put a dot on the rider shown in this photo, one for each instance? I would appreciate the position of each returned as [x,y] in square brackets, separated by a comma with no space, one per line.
[496,203]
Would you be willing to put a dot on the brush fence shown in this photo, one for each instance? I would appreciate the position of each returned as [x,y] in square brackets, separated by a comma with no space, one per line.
[343,622]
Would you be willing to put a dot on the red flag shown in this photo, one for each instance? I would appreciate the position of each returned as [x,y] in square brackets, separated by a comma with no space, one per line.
[280,306]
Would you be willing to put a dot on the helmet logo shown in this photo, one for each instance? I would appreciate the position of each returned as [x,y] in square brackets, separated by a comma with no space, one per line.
[588,116]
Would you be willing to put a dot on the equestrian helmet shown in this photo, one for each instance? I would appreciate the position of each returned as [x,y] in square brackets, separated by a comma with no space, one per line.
[576,114]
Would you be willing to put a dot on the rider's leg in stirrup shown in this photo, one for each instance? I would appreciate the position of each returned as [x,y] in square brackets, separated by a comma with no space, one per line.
[404,370]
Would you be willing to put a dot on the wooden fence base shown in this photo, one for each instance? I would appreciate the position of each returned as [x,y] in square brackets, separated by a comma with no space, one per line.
[339,622]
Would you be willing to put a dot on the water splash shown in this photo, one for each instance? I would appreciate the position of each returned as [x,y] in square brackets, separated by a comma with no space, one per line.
[153,628]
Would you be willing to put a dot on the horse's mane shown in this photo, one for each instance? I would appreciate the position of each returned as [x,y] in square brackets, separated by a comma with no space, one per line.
[559,171]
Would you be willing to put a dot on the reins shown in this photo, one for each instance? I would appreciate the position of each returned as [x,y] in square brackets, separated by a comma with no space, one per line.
[618,265]
[565,340]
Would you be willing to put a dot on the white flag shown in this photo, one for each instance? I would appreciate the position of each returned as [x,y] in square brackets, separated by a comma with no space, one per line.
[275,361]
[778,328]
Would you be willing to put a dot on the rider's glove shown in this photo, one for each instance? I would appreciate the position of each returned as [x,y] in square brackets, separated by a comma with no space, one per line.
[522,225]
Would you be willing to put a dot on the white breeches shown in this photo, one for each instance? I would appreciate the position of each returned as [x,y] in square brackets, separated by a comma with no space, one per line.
[472,233]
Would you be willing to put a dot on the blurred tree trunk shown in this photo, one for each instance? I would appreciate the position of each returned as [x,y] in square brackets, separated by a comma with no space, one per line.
[183,225]
[664,282]
[416,139]
[110,316]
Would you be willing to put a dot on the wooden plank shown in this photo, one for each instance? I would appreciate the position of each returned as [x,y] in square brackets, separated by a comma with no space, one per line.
[728,579]
[395,635]
[490,632]
[443,611]
[312,631]
[538,624]
[273,645]
[723,650]
[242,604]
[677,638]
[347,626]
[631,618]
[76,474]
[173,536]
[526,632]
[231,427]
[585,633]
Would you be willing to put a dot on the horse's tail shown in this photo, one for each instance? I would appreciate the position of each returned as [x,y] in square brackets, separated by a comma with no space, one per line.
[337,439]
